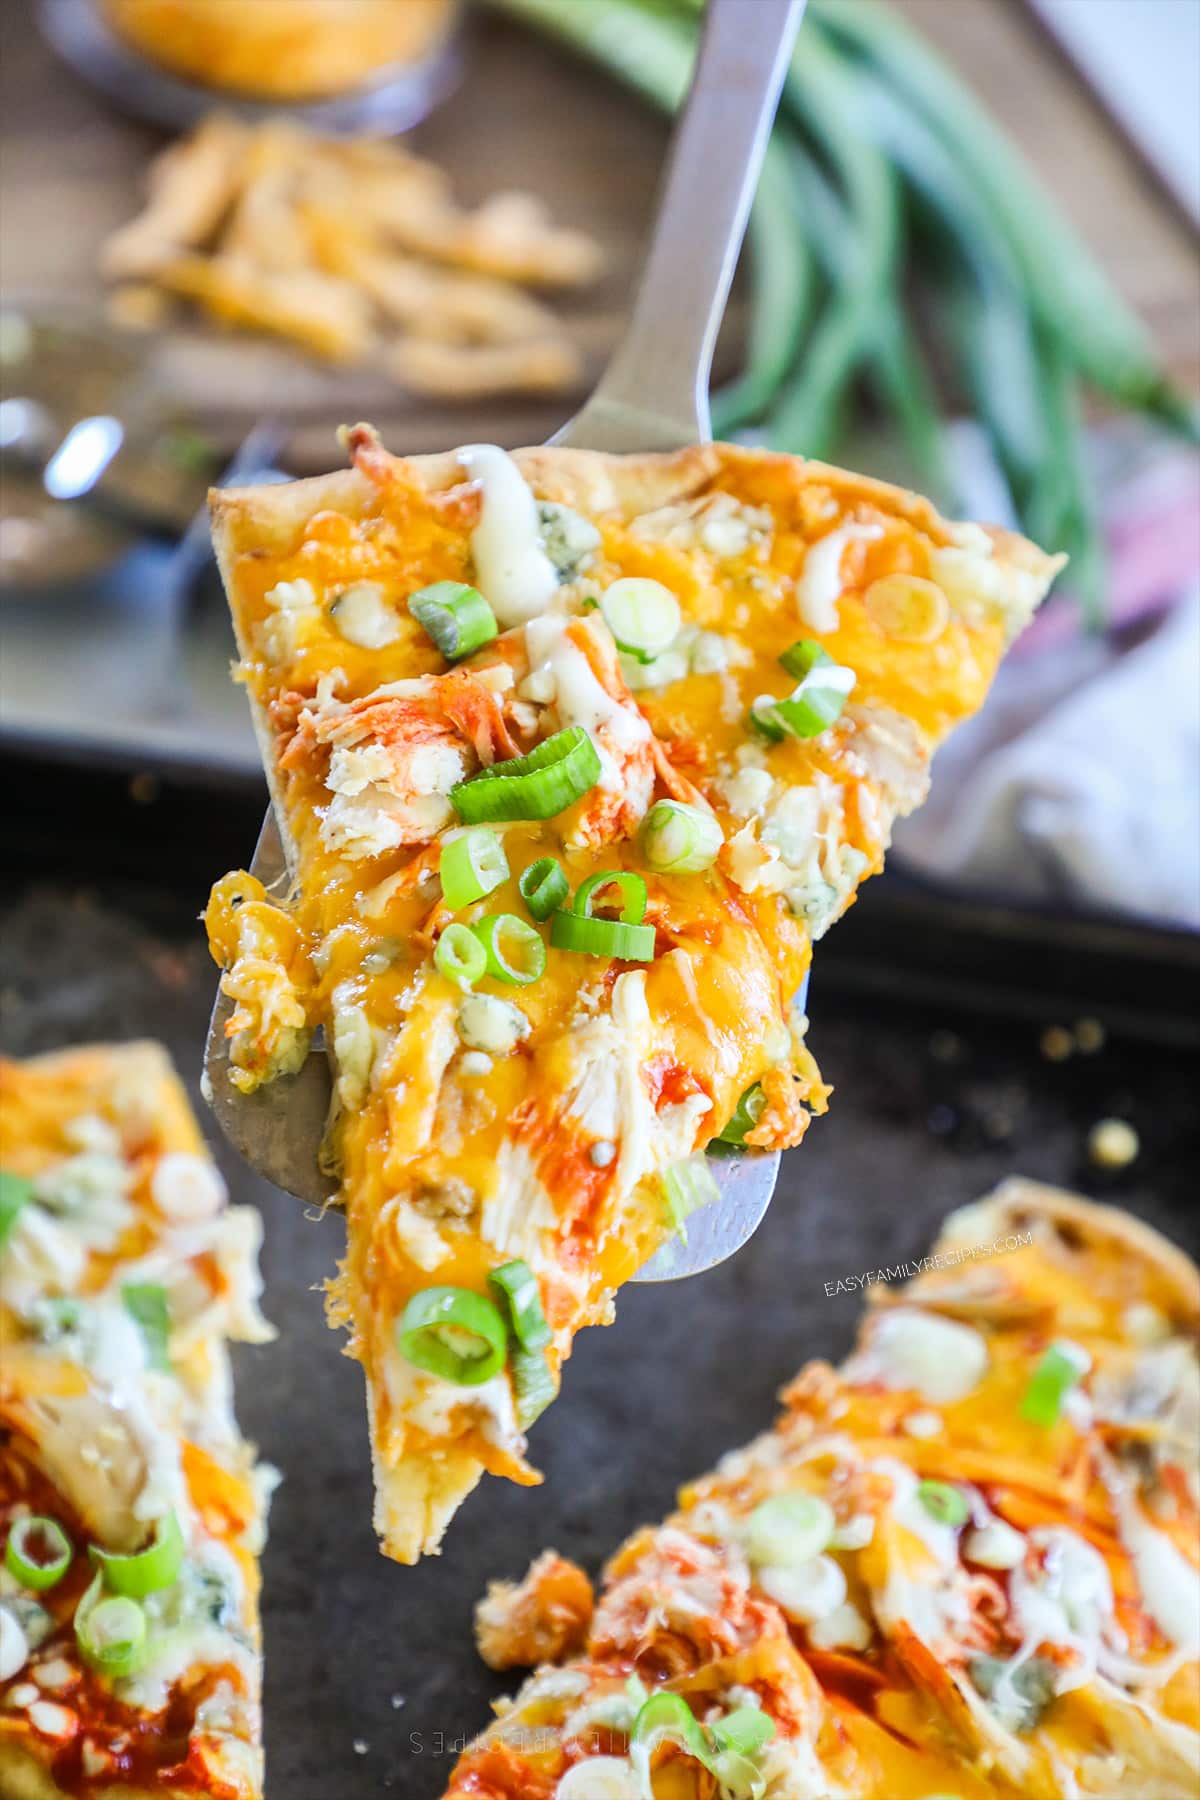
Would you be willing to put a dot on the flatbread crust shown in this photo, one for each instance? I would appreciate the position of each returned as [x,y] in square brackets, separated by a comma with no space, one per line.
[1081,1229]
[271,517]
[896,1709]
[262,539]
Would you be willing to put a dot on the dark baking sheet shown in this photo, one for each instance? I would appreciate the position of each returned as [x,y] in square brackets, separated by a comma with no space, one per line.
[927,1017]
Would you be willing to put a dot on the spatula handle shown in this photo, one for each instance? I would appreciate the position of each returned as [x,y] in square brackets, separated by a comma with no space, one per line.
[654,393]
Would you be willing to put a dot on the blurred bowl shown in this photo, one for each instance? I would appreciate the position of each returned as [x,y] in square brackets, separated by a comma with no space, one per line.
[339,66]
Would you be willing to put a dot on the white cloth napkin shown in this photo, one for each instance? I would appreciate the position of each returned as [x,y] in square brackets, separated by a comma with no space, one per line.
[1080,781]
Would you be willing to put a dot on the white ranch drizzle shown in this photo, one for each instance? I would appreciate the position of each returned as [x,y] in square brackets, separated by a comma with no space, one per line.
[561,667]
[819,586]
[512,569]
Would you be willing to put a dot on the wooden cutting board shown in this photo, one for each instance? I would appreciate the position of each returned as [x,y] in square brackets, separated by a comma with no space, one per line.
[527,116]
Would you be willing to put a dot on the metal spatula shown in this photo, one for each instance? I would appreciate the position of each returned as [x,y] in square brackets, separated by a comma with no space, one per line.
[652,396]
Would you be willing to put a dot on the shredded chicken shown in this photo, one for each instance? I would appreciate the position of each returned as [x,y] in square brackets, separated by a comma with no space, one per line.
[541,1618]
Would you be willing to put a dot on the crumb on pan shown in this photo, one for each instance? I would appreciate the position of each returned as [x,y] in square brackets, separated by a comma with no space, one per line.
[1057,1043]
[1113,1144]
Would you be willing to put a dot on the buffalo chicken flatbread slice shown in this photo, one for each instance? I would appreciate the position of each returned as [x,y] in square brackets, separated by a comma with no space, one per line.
[575,756]
[967,1563]
[131,1509]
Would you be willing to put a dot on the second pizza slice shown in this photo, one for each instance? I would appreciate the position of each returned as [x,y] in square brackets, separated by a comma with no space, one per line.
[575,756]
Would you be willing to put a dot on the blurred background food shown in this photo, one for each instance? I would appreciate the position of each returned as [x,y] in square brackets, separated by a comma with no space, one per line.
[966,270]
[352,249]
[285,50]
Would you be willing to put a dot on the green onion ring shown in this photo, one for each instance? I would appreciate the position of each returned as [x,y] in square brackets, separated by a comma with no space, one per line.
[643,616]
[15,1192]
[455,616]
[667,1718]
[804,656]
[460,956]
[543,887]
[946,1504]
[1056,1374]
[110,1632]
[786,1530]
[678,839]
[746,1114]
[38,1552]
[517,1286]
[533,1384]
[147,1305]
[471,866]
[145,1571]
[806,712]
[633,893]
[453,1333]
[762,716]
[537,786]
[602,937]
[514,951]
[744,1731]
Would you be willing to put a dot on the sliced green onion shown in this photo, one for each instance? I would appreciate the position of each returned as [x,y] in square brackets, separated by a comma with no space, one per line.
[15,1191]
[146,1304]
[537,786]
[688,1185]
[744,1731]
[678,839]
[946,1504]
[746,1114]
[110,1632]
[145,1571]
[762,716]
[1056,1374]
[738,1777]
[38,1551]
[729,1751]
[517,1285]
[453,1333]
[471,867]
[814,705]
[533,1385]
[642,615]
[543,887]
[456,617]
[514,951]
[789,1529]
[804,656]
[460,956]
[633,894]
[602,937]
[667,1718]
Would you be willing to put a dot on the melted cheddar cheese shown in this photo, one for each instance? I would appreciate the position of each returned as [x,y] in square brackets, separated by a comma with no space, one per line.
[534,1122]
[106,1431]
[1002,1601]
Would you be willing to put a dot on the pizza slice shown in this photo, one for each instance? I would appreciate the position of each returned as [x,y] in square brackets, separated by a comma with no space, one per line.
[574,757]
[131,1509]
[966,1563]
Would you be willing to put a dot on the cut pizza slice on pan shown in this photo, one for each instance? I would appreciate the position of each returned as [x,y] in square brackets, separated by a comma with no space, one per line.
[131,1508]
[963,1563]
[574,756]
